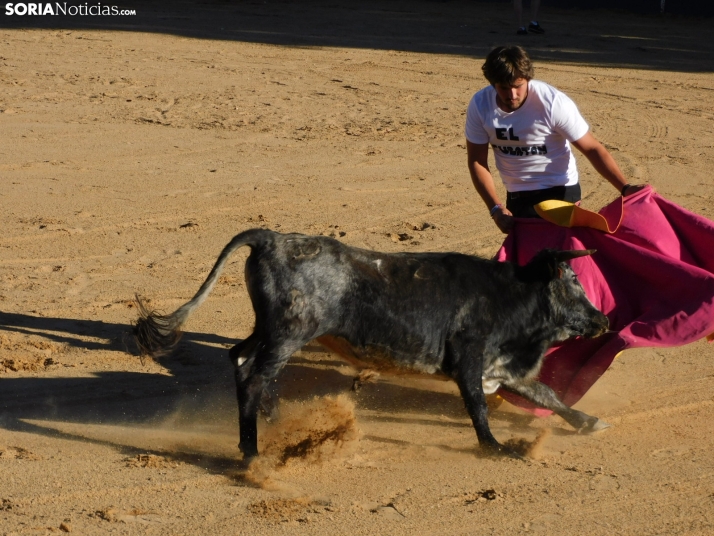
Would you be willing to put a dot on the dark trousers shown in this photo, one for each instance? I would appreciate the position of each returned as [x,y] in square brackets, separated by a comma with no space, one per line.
[521,203]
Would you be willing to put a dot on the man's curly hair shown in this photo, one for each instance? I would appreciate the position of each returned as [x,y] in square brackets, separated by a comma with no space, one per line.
[506,64]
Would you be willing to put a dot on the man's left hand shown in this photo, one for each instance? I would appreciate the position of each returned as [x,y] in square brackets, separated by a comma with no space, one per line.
[633,189]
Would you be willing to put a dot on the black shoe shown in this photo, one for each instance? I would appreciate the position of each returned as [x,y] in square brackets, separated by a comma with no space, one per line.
[522,31]
[535,28]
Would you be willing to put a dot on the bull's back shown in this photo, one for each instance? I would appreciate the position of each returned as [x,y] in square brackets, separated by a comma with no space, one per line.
[390,305]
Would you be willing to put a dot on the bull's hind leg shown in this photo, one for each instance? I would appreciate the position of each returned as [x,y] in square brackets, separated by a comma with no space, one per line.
[240,354]
[543,396]
[243,351]
[263,362]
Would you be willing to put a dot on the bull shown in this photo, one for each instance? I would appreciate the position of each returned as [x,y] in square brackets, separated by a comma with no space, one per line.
[485,324]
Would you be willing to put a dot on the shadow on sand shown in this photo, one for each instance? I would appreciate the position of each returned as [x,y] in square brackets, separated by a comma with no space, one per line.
[459,27]
[197,395]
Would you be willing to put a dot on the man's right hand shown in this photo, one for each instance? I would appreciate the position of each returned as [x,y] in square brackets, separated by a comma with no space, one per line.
[483,181]
[504,219]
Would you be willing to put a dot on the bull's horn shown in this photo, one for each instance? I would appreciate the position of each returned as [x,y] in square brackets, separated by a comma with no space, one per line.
[562,256]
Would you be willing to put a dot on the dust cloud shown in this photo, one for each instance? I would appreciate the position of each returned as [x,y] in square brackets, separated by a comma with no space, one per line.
[307,432]
[530,449]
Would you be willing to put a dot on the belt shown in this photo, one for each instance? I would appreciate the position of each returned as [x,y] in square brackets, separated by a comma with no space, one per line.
[530,193]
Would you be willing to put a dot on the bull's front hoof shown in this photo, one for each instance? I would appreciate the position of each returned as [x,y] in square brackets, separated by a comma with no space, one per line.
[270,412]
[514,455]
[248,460]
[596,425]
[249,454]
[366,376]
[501,451]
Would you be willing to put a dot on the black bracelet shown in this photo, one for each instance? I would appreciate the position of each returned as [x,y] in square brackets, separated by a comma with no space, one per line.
[624,189]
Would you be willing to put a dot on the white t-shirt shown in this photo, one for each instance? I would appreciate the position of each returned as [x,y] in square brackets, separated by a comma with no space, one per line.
[531,144]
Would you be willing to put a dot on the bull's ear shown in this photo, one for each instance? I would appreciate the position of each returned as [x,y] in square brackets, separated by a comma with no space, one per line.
[544,266]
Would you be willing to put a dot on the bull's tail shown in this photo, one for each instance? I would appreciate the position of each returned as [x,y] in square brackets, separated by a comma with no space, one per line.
[157,334]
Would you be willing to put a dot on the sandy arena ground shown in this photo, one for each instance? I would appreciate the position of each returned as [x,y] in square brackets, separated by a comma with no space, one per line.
[132,150]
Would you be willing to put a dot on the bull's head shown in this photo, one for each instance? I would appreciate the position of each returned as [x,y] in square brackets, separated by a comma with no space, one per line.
[572,311]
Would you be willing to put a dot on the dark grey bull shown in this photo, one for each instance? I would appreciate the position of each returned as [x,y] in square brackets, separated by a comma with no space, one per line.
[486,324]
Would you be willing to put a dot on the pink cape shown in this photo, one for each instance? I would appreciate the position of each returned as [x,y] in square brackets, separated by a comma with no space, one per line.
[653,278]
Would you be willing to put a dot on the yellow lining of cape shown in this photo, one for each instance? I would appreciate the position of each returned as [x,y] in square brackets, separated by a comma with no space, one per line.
[569,215]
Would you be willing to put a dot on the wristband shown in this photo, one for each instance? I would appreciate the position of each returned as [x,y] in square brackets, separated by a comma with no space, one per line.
[624,189]
[494,209]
